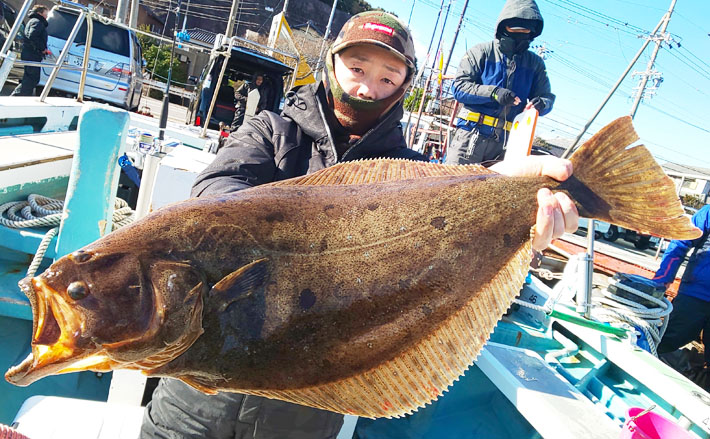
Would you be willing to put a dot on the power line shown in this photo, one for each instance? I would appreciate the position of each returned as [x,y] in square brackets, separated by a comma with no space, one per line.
[678,119]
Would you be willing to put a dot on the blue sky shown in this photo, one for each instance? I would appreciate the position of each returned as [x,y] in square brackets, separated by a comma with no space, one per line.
[591,43]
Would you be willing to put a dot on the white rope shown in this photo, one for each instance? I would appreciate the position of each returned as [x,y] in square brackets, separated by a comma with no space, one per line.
[39,211]
[652,321]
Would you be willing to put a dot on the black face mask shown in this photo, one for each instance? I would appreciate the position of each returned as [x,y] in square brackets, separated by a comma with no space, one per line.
[510,45]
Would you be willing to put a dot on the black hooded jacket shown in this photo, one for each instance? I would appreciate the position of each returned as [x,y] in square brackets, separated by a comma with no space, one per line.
[272,147]
[35,42]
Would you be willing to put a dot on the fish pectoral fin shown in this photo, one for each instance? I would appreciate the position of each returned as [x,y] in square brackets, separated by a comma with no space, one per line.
[241,283]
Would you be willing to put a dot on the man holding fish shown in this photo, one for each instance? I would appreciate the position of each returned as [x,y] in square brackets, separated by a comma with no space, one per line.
[352,114]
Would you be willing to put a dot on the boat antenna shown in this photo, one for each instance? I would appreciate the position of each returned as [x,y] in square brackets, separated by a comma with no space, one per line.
[166,94]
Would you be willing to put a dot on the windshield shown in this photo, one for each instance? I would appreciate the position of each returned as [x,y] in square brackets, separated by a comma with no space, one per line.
[109,38]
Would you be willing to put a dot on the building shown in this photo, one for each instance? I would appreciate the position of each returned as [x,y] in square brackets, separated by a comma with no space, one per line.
[692,180]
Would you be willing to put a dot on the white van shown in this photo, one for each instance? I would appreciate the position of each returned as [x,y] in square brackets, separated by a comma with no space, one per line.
[115,60]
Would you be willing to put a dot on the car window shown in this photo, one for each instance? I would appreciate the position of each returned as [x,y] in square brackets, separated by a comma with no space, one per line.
[109,38]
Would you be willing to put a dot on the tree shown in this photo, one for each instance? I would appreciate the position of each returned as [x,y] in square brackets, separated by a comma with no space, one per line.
[411,102]
[693,201]
[157,58]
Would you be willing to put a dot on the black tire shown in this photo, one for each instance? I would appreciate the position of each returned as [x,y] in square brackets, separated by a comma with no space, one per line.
[598,235]
[643,242]
[612,234]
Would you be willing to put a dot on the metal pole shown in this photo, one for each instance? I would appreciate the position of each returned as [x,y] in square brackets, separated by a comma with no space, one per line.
[433,64]
[166,94]
[456,34]
[410,12]
[443,27]
[216,87]
[428,52]
[569,150]
[589,271]
[85,63]
[121,11]
[230,22]
[319,65]
[184,20]
[16,27]
[644,79]
[133,20]
[62,56]
[419,112]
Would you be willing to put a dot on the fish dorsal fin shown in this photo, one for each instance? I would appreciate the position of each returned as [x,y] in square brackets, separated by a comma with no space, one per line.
[240,283]
[421,374]
[379,171]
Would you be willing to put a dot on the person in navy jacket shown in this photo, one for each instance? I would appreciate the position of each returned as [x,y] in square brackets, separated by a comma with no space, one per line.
[691,307]
[495,82]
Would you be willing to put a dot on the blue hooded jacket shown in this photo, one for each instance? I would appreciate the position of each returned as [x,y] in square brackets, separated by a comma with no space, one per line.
[485,67]
[696,278]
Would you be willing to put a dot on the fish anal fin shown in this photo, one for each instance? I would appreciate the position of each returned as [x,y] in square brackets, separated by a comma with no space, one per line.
[241,283]
[421,374]
[380,171]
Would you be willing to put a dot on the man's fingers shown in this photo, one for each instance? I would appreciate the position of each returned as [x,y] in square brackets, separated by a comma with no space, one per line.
[559,169]
[544,226]
[569,211]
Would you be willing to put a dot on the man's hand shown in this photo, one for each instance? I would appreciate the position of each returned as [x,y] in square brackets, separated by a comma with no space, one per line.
[556,213]
[504,96]
[536,102]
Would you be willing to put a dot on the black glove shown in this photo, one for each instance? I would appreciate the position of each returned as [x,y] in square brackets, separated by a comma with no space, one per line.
[538,103]
[503,96]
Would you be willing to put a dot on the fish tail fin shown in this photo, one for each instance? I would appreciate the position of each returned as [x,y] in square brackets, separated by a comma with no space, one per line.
[625,186]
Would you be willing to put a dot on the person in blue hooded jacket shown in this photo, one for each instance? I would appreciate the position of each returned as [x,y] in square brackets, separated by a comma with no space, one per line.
[691,307]
[495,82]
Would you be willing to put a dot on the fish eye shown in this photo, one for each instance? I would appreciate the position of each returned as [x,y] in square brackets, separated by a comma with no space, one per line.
[78,290]
[81,256]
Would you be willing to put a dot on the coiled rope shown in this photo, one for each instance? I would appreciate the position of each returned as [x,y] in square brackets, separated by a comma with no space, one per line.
[612,308]
[40,211]
[652,321]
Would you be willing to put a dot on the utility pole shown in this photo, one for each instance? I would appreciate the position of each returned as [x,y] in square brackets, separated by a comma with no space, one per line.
[569,150]
[584,300]
[230,22]
[133,20]
[121,11]
[456,35]
[650,73]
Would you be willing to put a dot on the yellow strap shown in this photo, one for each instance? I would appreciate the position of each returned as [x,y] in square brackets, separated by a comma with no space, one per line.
[487,120]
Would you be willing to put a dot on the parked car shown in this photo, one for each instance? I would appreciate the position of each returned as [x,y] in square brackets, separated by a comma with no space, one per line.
[242,65]
[7,19]
[611,232]
[115,60]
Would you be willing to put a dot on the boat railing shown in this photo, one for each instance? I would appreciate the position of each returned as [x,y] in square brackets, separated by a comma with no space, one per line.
[86,13]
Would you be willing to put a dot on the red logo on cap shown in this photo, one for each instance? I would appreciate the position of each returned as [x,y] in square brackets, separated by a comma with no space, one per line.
[377,27]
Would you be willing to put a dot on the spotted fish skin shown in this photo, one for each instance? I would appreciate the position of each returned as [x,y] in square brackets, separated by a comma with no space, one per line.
[366,288]
[353,277]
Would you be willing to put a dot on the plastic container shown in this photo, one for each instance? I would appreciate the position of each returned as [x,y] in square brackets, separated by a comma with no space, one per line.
[651,426]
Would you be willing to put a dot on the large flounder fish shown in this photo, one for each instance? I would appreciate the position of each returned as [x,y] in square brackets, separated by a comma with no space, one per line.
[366,288]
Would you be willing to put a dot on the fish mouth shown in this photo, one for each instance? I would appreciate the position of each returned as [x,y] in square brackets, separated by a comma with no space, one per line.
[54,334]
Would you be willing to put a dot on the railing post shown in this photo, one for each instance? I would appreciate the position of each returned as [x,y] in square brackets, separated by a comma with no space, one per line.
[62,56]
